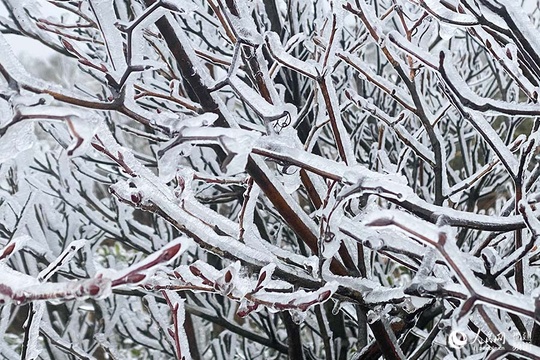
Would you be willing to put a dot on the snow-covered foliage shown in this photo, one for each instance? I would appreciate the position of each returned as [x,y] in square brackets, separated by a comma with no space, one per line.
[260,179]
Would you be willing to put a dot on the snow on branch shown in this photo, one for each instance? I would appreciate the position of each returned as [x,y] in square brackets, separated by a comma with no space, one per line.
[239,179]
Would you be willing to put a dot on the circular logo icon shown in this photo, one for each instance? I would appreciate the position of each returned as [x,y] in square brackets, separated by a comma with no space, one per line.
[457,339]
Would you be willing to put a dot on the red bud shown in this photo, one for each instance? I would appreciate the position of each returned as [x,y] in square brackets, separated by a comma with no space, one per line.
[324,295]
[93,290]
[8,250]
[170,253]
[228,276]
[195,270]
